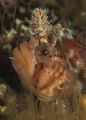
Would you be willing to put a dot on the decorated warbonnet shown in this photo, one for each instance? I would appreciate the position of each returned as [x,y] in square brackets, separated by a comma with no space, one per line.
[49,62]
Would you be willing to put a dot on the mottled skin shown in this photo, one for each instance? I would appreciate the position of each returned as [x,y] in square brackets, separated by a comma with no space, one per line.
[47,76]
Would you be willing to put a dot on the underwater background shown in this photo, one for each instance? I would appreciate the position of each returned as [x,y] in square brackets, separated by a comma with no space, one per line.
[16,101]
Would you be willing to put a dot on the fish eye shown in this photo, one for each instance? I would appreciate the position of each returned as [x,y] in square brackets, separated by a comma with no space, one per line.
[42,50]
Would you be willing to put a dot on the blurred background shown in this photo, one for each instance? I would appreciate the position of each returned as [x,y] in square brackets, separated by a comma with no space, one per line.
[15,102]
